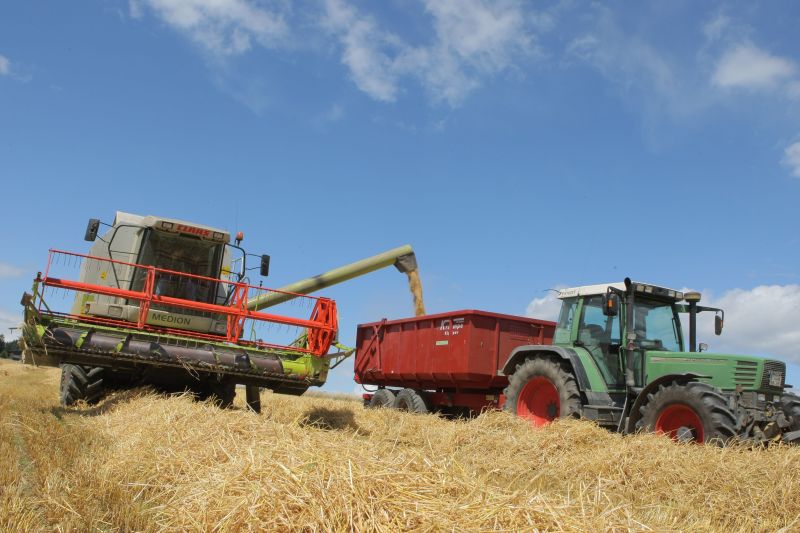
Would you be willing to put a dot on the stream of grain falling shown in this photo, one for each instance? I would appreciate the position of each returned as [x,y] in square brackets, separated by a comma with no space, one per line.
[415,285]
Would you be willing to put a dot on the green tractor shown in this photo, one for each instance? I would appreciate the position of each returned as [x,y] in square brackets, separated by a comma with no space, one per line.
[618,358]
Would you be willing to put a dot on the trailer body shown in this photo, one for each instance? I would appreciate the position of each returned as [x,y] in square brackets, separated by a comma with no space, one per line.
[455,357]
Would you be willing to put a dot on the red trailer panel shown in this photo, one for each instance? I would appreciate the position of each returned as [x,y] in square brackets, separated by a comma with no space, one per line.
[458,351]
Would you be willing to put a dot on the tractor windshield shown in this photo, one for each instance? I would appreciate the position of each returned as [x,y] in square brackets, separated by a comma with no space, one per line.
[180,253]
[655,324]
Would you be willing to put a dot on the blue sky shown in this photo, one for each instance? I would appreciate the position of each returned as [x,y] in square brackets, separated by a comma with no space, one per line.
[518,146]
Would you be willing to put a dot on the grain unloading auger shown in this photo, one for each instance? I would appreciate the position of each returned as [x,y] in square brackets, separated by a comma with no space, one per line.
[167,303]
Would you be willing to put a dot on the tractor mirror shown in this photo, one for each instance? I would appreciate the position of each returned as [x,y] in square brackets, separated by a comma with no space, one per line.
[91,229]
[265,265]
[717,325]
[611,304]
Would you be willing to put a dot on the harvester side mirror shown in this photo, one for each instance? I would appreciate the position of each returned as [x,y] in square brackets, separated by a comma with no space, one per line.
[717,325]
[611,304]
[91,229]
[265,265]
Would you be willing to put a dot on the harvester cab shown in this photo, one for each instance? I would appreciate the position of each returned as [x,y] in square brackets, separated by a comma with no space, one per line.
[619,357]
[188,261]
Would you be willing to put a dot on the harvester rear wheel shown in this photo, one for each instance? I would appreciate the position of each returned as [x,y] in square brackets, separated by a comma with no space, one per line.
[410,400]
[81,383]
[689,412]
[791,409]
[382,398]
[540,391]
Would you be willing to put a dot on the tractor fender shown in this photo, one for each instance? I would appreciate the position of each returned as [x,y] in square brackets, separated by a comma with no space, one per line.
[520,353]
[635,415]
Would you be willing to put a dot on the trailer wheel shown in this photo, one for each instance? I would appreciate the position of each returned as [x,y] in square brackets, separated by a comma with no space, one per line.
[540,391]
[81,383]
[382,398]
[791,409]
[410,400]
[689,412]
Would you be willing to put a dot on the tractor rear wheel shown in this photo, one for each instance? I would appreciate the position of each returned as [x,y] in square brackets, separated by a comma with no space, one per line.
[81,383]
[540,391]
[410,400]
[382,398]
[791,409]
[688,412]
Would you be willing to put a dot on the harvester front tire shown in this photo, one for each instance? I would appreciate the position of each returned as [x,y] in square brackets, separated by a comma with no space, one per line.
[791,409]
[81,383]
[411,401]
[541,390]
[691,411]
[382,398]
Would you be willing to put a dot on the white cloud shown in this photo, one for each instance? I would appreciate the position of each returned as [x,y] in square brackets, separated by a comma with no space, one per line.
[715,28]
[545,308]
[749,67]
[223,27]
[5,65]
[473,39]
[366,51]
[759,321]
[9,271]
[791,158]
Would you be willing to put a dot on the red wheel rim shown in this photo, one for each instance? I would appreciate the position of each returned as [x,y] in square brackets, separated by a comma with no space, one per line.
[538,402]
[680,422]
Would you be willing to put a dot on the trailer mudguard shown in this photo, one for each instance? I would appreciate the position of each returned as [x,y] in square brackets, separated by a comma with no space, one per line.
[519,354]
[641,398]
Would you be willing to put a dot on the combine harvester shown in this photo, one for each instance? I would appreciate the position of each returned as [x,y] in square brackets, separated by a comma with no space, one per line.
[168,303]
[616,356]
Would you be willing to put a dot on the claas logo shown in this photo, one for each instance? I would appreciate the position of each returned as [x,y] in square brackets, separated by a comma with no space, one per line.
[194,231]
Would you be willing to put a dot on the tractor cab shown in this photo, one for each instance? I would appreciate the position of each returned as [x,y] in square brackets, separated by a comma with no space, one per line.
[597,319]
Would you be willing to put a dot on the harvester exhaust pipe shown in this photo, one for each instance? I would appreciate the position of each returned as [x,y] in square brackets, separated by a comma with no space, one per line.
[402,258]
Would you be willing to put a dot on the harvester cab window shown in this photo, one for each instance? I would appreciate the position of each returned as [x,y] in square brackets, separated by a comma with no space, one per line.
[599,334]
[181,254]
[655,326]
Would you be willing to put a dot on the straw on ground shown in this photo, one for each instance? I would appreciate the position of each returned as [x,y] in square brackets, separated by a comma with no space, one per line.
[145,462]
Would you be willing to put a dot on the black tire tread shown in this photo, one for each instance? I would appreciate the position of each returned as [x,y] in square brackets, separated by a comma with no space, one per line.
[410,400]
[383,398]
[81,383]
[719,422]
[791,409]
[558,373]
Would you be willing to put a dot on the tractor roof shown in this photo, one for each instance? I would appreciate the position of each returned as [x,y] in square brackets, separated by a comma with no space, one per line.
[644,288]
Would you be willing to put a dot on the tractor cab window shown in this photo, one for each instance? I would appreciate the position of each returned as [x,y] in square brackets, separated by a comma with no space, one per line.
[655,326]
[565,318]
[599,334]
[182,254]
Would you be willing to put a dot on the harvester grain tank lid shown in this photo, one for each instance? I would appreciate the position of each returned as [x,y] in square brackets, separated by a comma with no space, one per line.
[173,225]
[647,288]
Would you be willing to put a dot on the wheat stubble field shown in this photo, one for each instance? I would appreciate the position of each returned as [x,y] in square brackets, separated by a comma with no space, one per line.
[144,462]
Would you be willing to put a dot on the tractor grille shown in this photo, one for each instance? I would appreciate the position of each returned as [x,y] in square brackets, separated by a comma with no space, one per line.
[745,374]
[774,371]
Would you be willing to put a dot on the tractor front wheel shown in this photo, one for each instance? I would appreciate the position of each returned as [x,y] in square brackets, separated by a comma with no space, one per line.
[540,391]
[791,409]
[688,412]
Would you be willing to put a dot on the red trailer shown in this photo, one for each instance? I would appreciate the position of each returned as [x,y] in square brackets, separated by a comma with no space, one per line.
[448,362]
